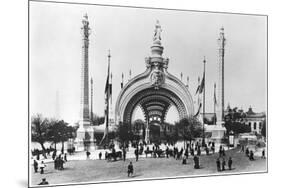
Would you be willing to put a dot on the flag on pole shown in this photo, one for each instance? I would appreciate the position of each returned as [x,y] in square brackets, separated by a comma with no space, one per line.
[107,91]
[199,109]
[215,98]
[201,86]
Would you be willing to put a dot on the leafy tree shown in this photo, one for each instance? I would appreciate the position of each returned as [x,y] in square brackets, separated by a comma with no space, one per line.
[188,128]
[96,120]
[237,127]
[124,132]
[59,131]
[234,121]
[39,130]
[138,125]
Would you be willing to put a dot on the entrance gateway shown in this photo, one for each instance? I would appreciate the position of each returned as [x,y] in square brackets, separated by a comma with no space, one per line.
[154,91]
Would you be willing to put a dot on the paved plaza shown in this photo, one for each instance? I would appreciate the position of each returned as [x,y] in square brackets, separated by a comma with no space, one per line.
[77,171]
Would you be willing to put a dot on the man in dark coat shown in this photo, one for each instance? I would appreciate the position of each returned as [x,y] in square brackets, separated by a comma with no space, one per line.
[263,154]
[251,157]
[88,154]
[100,154]
[130,169]
[223,164]
[186,153]
[124,154]
[35,165]
[229,163]
[196,162]
[218,164]
[247,152]
[137,154]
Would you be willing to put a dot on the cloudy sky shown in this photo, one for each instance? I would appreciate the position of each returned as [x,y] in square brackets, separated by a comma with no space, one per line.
[55,53]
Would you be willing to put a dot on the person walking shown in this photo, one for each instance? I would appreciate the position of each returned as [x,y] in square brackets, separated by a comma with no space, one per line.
[100,154]
[42,166]
[124,154]
[218,164]
[251,156]
[65,157]
[184,160]
[229,163]
[88,154]
[263,154]
[130,169]
[223,164]
[35,165]
[137,154]
[247,152]
[196,162]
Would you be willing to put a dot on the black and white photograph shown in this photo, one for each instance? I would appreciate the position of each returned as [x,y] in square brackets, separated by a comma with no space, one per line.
[124,93]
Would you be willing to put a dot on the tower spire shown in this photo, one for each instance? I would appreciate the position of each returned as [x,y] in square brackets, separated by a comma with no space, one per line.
[221,43]
[91,114]
[85,127]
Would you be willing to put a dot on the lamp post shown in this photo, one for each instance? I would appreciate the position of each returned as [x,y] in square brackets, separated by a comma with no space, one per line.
[231,139]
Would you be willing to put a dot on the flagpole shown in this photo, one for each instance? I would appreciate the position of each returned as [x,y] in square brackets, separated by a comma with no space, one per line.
[107,100]
[204,76]
[215,102]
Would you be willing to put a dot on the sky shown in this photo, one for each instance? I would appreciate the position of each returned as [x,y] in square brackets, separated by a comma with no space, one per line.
[56,53]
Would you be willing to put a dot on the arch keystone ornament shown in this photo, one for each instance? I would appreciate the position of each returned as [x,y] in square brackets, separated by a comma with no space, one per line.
[154,91]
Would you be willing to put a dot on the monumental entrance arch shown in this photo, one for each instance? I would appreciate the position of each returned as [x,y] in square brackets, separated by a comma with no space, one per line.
[154,91]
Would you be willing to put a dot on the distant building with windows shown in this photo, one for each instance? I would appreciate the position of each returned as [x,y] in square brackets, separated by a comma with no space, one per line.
[255,120]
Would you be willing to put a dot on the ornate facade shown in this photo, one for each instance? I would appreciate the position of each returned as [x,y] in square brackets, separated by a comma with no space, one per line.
[154,91]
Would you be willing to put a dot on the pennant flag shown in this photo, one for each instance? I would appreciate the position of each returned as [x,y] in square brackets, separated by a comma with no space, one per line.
[199,109]
[201,86]
[107,91]
[215,98]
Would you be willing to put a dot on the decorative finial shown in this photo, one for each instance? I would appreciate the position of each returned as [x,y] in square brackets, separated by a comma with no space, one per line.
[181,76]
[204,61]
[157,32]
[109,53]
[187,81]
[130,74]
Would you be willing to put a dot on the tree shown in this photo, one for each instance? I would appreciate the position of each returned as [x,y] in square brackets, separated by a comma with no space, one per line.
[59,131]
[138,125]
[189,128]
[234,121]
[124,132]
[39,130]
[96,120]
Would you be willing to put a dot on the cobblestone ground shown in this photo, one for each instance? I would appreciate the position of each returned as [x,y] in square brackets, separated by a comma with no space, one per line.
[77,171]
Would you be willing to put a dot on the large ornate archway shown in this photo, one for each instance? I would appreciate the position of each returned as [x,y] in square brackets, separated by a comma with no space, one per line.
[154,90]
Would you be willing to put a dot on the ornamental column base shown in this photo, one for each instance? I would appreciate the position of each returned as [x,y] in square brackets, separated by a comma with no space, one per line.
[218,132]
[85,137]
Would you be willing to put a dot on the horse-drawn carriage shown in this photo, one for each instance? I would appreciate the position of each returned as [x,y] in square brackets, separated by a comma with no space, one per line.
[113,155]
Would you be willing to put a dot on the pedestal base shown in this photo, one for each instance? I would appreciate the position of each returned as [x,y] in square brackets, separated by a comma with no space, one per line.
[85,137]
[218,132]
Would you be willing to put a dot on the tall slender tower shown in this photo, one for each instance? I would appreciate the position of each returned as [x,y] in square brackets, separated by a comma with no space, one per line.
[91,115]
[219,130]
[85,133]
[220,109]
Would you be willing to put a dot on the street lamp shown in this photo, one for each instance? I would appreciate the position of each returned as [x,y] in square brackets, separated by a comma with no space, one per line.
[231,139]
